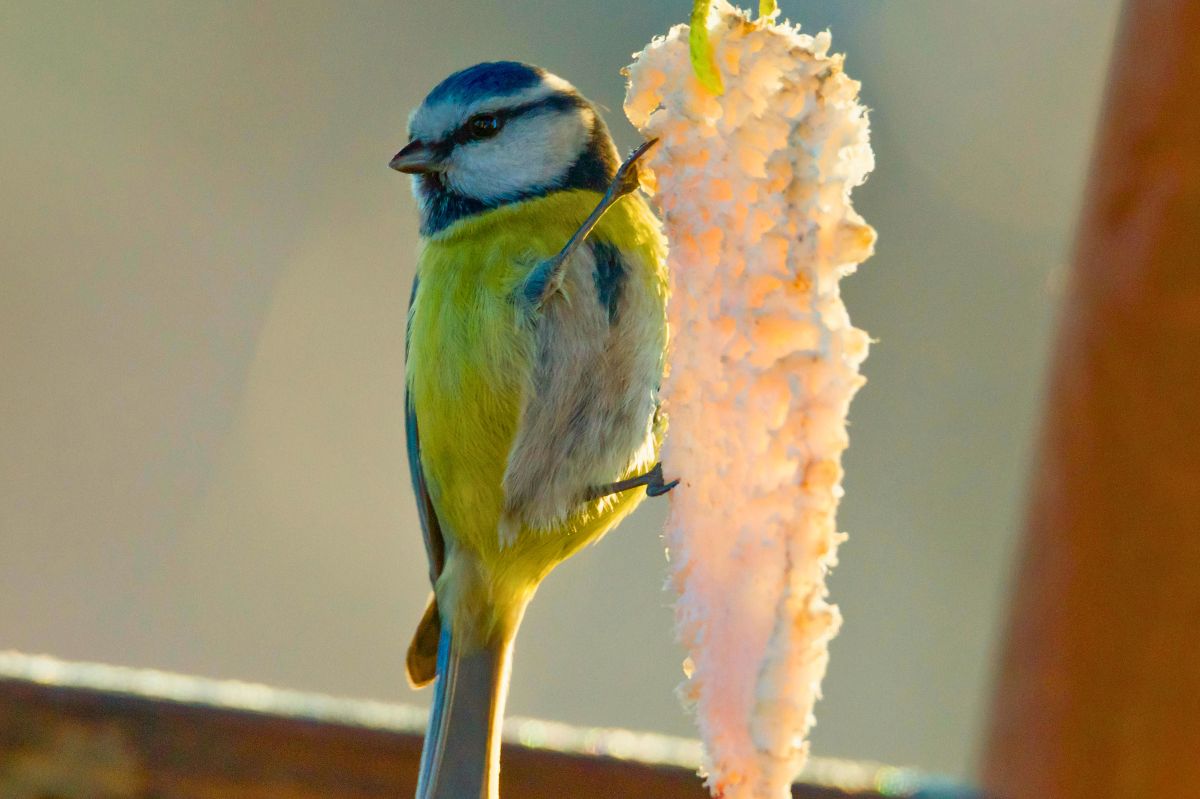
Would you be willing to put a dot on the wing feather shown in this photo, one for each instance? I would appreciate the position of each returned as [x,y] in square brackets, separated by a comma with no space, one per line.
[435,545]
[421,662]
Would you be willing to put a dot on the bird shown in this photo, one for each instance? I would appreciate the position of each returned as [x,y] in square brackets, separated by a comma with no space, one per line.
[534,348]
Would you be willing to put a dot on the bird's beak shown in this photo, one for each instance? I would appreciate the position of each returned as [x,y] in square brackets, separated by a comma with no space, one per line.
[416,159]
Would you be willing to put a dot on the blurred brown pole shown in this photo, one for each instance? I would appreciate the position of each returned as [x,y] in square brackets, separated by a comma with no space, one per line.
[1098,690]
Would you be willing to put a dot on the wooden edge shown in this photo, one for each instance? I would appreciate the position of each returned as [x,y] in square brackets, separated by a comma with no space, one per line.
[72,730]
[1097,685]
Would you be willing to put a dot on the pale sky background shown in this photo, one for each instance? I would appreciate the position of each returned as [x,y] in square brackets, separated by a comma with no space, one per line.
[204,265]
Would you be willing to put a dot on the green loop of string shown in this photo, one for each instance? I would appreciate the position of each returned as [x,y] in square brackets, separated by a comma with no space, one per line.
[704,61]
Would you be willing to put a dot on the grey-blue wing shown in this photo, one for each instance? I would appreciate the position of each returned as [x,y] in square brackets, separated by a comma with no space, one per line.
[435,546]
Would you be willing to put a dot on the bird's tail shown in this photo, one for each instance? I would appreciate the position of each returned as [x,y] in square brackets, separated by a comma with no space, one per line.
[461,757]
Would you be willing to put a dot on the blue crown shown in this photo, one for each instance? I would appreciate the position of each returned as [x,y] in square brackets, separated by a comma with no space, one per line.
[489,79]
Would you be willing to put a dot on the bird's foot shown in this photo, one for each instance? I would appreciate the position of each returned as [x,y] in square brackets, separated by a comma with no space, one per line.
[656,486]
[653,480]
[546,279]
[626,179]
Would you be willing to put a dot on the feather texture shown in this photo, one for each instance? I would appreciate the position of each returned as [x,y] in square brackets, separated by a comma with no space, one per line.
[520,413]
[514,414]
[461,756]
[517,405]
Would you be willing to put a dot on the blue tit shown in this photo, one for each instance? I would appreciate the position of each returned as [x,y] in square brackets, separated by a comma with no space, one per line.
[535,346]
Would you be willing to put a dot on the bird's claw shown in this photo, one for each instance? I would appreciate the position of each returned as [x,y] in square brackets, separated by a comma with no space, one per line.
[652,480]
[626,180]
[655,486]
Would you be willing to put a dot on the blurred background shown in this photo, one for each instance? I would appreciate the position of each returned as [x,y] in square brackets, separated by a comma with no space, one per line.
[204,266]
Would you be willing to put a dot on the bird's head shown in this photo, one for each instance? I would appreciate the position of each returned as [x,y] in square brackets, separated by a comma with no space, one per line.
[501,132]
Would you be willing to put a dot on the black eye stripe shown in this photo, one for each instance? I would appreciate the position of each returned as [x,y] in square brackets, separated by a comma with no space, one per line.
[555,102]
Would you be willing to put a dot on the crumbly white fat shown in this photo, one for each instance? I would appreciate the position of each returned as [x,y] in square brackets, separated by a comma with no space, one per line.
[754,189]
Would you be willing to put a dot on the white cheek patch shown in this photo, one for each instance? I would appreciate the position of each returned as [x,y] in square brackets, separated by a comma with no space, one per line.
[529,153]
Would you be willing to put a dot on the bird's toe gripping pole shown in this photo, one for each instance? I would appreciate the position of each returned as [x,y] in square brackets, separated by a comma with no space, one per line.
[546,278]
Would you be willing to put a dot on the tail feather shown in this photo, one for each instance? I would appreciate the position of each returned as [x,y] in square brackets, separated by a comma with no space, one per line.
[421,663]
[461,756]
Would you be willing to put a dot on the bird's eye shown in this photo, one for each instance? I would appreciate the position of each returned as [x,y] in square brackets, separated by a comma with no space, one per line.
[483,126]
